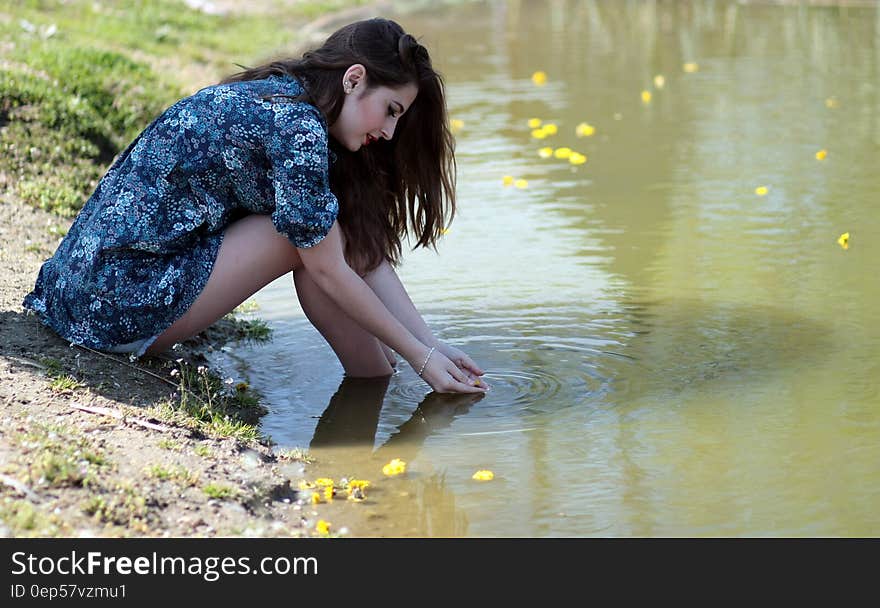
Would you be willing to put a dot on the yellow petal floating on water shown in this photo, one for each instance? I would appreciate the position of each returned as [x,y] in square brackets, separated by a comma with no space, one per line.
[521,184]
[483,475]
[539,78]
[305,485]
[456,125]
[545,152]
[507,180]
[323,527]
[821,154]
[534,123]
[584,130]
[761,190]
[395,467]
[844,240]
[577,158]
[646,96]
[562,152]
[316,498]
[659,81]
[550,128]
[324,481]
[831,102]
[539,133]
[356,489]
[690,67]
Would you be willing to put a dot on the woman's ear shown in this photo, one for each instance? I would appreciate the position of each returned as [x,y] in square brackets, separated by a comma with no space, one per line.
[355,76]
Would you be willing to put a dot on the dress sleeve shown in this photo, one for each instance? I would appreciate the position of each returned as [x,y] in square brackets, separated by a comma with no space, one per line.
[296,145]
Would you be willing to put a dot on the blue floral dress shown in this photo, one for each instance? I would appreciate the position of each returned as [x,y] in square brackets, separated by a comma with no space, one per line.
[142,248]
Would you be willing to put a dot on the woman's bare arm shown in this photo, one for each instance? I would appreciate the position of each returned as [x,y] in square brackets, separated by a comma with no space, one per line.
[325,262]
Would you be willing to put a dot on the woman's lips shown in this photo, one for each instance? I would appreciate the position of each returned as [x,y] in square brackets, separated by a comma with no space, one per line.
[368,139]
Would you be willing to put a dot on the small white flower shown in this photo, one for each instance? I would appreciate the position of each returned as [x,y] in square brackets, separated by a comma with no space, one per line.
[179,360]
[228,381]
[202,369]
[175,372]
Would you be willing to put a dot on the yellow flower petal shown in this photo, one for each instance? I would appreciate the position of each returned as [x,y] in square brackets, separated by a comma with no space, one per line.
[324,481]
[843,241]
[534,123]
[761,190]
[577,158]
[646,97]
[545,152]
[316,498]
[456,125]
[483,475]
[584,130]
[539,78]
[323,527]
[562,152]
[690,67]
[659,81]
[821,154]
[395,467]
[305,485]
[356,489]
[328,493]
[550,128]
[507,180]
[539,133]
[521,184]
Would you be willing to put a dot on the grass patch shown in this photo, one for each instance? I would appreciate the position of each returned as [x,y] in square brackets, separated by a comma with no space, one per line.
[219,492]
[79,79]
[64,383]
[123,506]
[212,405]
[203,451]
[170,444]
[178,474]
[59,458]
[295,455]
[25,520]
[60,381]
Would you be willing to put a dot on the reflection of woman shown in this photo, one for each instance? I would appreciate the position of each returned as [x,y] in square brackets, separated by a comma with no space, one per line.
[319,165]
[352,417]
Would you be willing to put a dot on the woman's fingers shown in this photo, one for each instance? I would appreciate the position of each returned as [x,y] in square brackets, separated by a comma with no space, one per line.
[472,367]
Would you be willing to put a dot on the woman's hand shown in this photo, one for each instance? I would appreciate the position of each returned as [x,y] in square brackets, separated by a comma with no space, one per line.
[444,376]
[464,363]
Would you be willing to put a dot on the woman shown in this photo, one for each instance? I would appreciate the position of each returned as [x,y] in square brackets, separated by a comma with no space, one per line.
[242,182]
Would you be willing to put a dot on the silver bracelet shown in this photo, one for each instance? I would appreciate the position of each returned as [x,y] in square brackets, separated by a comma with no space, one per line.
[430,352]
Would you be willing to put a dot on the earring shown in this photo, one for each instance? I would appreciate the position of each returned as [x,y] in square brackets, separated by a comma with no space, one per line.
[346,87]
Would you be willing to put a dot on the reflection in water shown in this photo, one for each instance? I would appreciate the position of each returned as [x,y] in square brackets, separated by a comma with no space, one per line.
[421,502]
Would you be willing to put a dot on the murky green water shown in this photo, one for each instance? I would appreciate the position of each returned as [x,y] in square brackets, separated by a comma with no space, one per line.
[671,354]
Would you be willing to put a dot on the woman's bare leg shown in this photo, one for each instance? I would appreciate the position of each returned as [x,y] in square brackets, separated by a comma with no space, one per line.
[252,255]
[361,354]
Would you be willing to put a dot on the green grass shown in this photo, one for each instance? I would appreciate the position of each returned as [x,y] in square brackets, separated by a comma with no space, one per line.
[59,456]
[79,79]
[177,474]
[219,492]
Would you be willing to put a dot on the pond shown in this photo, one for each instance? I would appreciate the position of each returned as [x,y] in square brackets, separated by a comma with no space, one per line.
[677,343]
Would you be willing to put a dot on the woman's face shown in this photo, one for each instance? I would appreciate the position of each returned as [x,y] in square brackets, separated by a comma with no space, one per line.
[370,114]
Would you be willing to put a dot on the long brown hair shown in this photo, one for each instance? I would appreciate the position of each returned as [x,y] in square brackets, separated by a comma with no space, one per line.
[407,183]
